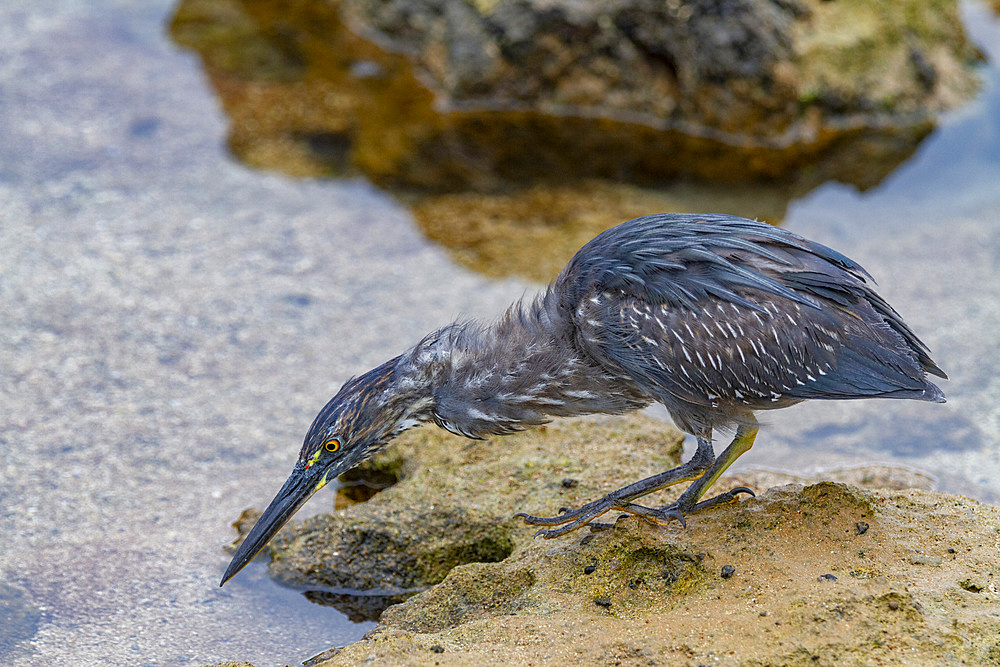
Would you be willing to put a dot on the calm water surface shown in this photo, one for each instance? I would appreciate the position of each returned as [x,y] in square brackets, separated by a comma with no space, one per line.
[172,320]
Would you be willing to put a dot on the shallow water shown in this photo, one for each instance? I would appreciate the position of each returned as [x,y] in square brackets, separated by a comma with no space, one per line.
[173,320]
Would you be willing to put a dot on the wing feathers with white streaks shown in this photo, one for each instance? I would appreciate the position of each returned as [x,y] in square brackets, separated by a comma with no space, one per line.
[723,353]
[740,312]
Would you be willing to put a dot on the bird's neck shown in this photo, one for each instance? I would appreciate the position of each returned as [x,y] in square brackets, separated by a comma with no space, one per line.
[519,372]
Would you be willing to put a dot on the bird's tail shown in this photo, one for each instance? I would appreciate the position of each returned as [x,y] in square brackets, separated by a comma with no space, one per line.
[931,392]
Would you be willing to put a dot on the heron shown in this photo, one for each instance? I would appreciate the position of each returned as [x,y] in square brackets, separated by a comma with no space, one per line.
[714,316]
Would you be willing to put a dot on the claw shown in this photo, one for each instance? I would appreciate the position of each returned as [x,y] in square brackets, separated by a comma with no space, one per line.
[674,514]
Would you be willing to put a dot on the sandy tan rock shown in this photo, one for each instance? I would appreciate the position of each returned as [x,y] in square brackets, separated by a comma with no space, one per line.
[805,573]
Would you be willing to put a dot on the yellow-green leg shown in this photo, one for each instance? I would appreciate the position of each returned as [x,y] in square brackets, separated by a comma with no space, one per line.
[689,503]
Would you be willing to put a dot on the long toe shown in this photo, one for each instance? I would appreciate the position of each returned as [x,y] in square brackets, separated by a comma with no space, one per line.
[569,527]
[598,526]
[722,498]
[569,521]
[661,516]
[620,499]
[565,516]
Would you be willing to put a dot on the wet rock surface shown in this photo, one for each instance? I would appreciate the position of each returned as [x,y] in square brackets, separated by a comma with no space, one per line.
[517,130]
[748,68]
[814,573]
[455,504]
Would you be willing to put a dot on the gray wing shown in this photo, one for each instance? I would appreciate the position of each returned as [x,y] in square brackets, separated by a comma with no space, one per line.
[718,353]
[734,313]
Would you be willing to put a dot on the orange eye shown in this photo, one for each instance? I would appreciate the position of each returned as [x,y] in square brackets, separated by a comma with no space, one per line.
[331,445]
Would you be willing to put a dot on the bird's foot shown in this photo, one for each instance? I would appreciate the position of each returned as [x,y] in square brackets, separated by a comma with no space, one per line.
[569,520]
[677,511]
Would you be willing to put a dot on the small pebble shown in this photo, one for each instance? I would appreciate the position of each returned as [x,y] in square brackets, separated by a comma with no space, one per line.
[893,605]
[589,569]
[437,648]
[602,602]
[861,527]
[569,483]
[826,577]
[728,571]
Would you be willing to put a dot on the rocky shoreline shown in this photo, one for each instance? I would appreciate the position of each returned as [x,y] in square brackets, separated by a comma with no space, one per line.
[805,573]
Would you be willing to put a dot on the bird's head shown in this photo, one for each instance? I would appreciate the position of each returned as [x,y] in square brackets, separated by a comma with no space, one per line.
[366,413]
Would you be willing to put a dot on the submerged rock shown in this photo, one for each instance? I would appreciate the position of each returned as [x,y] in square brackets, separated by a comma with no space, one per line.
[444,95]
[19,619]
[918,584]
[519,129]
[742,68]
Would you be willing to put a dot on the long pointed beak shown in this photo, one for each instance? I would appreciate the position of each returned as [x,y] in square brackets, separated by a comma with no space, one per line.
[298,488]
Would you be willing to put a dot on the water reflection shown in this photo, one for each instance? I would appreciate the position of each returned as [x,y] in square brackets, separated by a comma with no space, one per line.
[508,192]
[358,606]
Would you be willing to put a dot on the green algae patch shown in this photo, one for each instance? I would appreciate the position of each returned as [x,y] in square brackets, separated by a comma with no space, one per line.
[474,591]
[628,569]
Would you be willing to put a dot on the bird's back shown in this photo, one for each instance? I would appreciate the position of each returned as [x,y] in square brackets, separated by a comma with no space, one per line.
[716,315]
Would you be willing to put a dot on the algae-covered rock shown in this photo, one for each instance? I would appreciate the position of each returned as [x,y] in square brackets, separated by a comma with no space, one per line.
[455,504]
[805,573]
[445,95]
[389,547]
[819,574]
[744,67]
[519,129]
